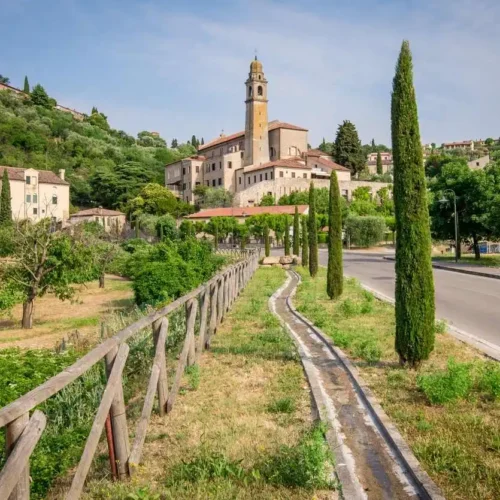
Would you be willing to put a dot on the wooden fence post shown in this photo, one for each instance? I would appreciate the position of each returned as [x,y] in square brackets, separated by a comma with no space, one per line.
[212,327]
[204,299]
[191,310]
[118,420]
[220,300]
[160,329]
[13,432]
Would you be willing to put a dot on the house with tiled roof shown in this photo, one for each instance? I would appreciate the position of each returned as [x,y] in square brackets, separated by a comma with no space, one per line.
[267,158]
[112,221]
[37,194]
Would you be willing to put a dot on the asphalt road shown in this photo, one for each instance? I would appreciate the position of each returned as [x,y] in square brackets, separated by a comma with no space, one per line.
[470,303]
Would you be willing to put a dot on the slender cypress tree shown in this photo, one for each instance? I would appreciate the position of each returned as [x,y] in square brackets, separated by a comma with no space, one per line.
[267,246]
[305,243]
[26,85]
[5,201]
[216,236]
[414,280]
[287,235]
[313,234]
[379,164]
[334,277]
[296,233]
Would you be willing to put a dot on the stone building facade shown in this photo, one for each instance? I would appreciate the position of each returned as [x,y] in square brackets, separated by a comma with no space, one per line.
[267,158]
[37,194]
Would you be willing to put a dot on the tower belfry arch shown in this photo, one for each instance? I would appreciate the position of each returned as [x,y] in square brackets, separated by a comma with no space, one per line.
[256,119]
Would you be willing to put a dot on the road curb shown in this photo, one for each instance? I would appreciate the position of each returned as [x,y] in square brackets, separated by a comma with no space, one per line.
[490,350]
[429,488]
[458,270]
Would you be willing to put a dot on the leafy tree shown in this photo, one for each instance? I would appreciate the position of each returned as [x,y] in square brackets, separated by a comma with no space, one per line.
[313,234]
[305,243]
[5,201]
[335,274]
[167,228]
[4,79]
[99,119]
[267,248]
[174,143]
[474,190]
[347,150]
[287,235]
[214,197]
[380,169]
[26,87]
[296,232]
[267,200]
[39,97]
[414,280]
[152,199]
[45,261]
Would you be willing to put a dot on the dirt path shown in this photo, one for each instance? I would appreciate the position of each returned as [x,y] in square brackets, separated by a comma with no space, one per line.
[365,464]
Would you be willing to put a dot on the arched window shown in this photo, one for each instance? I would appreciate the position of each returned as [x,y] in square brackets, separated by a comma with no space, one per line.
[260,77]
[259,90]
[249,91]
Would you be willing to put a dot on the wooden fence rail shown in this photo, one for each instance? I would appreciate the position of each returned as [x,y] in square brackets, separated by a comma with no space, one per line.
[209,302]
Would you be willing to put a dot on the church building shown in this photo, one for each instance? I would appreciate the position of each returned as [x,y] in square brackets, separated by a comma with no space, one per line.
[267,158]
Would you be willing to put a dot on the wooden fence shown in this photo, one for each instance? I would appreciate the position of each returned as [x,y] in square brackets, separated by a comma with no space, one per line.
[209,303]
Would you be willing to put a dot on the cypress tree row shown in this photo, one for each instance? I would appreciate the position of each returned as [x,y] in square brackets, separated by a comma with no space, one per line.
[305,243]
[267,247]
[5,201]
[414,280]
[313,234]
[334,277]
[380,170]
[296,233]
[287,236]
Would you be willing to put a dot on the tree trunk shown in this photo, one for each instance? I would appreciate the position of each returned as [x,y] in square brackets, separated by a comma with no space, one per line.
[101,281]
[28,311]
[477,254]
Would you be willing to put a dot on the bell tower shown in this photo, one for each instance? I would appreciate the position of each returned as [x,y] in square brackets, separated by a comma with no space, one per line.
[256,128]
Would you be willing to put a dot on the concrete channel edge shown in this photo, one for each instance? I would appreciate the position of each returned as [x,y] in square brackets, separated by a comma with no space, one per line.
[428,487]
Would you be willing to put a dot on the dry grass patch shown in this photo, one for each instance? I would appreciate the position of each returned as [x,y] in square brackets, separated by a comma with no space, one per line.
[230,435]
[55,318]
[448,411]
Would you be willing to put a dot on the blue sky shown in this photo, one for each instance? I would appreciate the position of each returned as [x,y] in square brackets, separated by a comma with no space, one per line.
[178,67]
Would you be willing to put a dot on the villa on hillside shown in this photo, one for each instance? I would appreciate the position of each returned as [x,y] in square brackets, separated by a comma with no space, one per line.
[37,194]
[387,162]
[267,158]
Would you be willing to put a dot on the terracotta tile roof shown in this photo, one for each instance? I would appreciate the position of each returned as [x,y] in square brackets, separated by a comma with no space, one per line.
[275,124]
[247,211]
[288,163]
[316,152]
[459,143]
[96,211]
[192,157]
[44,176]
[331,164]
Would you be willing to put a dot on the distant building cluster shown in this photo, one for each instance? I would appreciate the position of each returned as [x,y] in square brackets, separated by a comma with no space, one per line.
[267,158]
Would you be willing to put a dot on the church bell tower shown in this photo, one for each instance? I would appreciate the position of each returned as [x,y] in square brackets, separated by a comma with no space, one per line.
[256,128]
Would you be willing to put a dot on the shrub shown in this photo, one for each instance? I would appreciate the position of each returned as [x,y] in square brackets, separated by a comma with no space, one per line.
[489,380]
[283,405]
[348,308]
[441,326]
[449,385]
[368,349]
[364,231]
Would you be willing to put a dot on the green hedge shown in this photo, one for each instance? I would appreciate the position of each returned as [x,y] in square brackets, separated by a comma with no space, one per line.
[365,231]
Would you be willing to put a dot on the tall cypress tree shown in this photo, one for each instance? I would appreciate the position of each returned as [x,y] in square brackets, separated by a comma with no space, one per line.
[296,233]
[334,277]
[313,233]
[305,243]
[287,235]
[267,246]
[414,280]
[26,85]
[5,201]
[379,164]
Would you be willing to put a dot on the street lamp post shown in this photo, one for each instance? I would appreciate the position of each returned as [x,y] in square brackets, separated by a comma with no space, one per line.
[445,200]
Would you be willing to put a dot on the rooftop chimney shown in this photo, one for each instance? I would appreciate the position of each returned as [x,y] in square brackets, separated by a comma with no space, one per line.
[62,173]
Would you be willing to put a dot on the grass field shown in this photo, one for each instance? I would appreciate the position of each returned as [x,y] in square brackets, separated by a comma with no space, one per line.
[448,411]
[242,426]
[54,318]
